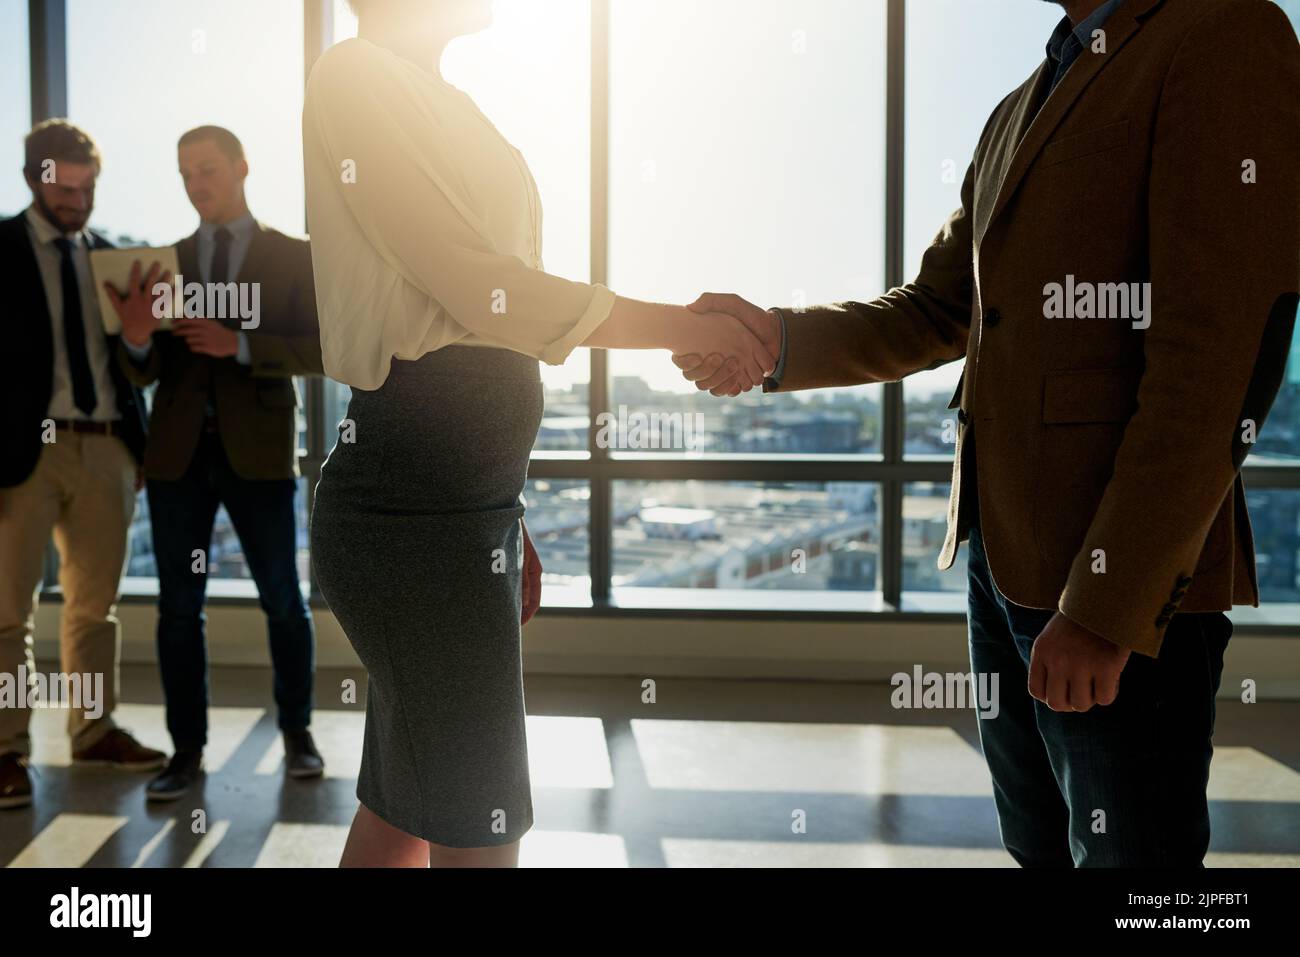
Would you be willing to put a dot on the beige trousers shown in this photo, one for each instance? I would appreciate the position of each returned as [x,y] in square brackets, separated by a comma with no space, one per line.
[82,491]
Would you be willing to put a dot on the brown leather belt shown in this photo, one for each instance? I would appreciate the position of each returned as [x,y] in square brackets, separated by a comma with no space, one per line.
[91,428]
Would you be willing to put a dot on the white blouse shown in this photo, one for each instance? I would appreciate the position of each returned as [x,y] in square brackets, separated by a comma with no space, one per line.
[425,224]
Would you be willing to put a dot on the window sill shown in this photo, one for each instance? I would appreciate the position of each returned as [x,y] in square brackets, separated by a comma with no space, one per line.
[567,601]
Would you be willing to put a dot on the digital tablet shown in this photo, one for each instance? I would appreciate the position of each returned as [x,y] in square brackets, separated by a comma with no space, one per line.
[113,266]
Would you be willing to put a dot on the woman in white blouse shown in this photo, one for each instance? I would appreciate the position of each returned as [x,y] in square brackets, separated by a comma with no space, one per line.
[426,241]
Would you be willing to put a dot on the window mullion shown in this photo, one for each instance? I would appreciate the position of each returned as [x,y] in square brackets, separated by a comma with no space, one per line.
[601,533]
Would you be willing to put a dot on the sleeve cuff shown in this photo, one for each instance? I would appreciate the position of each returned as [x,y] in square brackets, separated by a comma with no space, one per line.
[138,353]
[779,371]
[1113,617]
[598,310]
[244,353]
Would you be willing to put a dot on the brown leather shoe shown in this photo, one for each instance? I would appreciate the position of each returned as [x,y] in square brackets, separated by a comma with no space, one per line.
[118,749]
[15,782]
[301,758]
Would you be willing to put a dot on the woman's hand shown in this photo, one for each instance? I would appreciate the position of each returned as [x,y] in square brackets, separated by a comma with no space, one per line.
[532,578]
[633,324]
[713,373]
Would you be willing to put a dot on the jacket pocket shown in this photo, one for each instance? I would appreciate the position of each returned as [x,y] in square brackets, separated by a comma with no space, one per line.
[1088,143]
[1085,415]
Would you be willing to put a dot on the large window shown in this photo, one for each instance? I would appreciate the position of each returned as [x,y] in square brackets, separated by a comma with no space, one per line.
[925,524]
[559,523]
[141,73]
[1275,512]
[680,146]
[962,59]
[769,544]
[15,105]
[1275,519]
[746,155]
[1279,442]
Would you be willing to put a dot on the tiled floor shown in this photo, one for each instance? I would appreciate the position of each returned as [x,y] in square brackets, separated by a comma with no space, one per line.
[712,775]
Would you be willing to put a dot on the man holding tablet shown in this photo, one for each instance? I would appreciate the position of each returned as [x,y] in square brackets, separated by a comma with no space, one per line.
[73,432]
[223,431]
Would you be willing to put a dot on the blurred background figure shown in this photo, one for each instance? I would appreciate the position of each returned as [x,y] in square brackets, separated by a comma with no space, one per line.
[224,432]
[73,434]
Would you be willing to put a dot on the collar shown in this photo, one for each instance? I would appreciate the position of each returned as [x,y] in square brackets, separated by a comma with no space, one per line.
[1082,34]
[238,228]
[46,232]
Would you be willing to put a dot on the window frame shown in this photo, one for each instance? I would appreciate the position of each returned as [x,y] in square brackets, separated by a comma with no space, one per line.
[891,470]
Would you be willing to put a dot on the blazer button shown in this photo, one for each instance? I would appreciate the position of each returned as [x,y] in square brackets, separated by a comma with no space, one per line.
[992,318]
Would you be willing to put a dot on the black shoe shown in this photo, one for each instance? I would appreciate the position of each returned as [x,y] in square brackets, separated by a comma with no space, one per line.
[300,755]
[15,782]
[177,778]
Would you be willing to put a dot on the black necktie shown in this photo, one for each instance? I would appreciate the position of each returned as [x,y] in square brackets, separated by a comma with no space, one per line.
[74,333]
[220,269]
[217,272]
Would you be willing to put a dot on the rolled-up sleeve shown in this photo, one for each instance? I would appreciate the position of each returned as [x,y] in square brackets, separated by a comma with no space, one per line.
[408,198]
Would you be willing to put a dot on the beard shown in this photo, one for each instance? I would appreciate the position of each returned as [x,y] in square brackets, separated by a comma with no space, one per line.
[70,221]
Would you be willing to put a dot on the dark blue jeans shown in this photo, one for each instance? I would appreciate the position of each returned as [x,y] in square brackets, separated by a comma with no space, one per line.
[1121,785]
[182,514]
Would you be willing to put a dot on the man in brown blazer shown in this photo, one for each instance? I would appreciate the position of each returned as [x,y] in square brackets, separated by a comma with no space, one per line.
[1122,281]
[224,431]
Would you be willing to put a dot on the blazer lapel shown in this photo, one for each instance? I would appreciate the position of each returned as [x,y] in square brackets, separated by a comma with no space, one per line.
[28,268]
[187,256]
[1004,149]
[1120,28]
[253,252]
[34,307]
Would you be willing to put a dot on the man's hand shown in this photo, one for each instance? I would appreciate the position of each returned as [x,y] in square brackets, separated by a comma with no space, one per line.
[135,309]
[703,333]
[207,337]
[1071,669]
[532,578]
[713,373]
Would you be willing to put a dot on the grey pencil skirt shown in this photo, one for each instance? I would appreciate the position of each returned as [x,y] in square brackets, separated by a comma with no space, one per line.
[417,545]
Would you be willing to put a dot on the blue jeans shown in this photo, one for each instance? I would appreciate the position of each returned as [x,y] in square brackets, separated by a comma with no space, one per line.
[1121,785]
[182,514]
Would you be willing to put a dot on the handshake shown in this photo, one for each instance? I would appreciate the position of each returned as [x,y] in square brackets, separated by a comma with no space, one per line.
[731,347]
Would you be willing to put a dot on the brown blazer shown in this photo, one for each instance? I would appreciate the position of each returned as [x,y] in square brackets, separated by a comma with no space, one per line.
[256,405]
[1094,439]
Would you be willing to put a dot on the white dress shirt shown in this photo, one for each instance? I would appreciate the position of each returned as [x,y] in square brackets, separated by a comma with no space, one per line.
[50,262]
[438,239]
